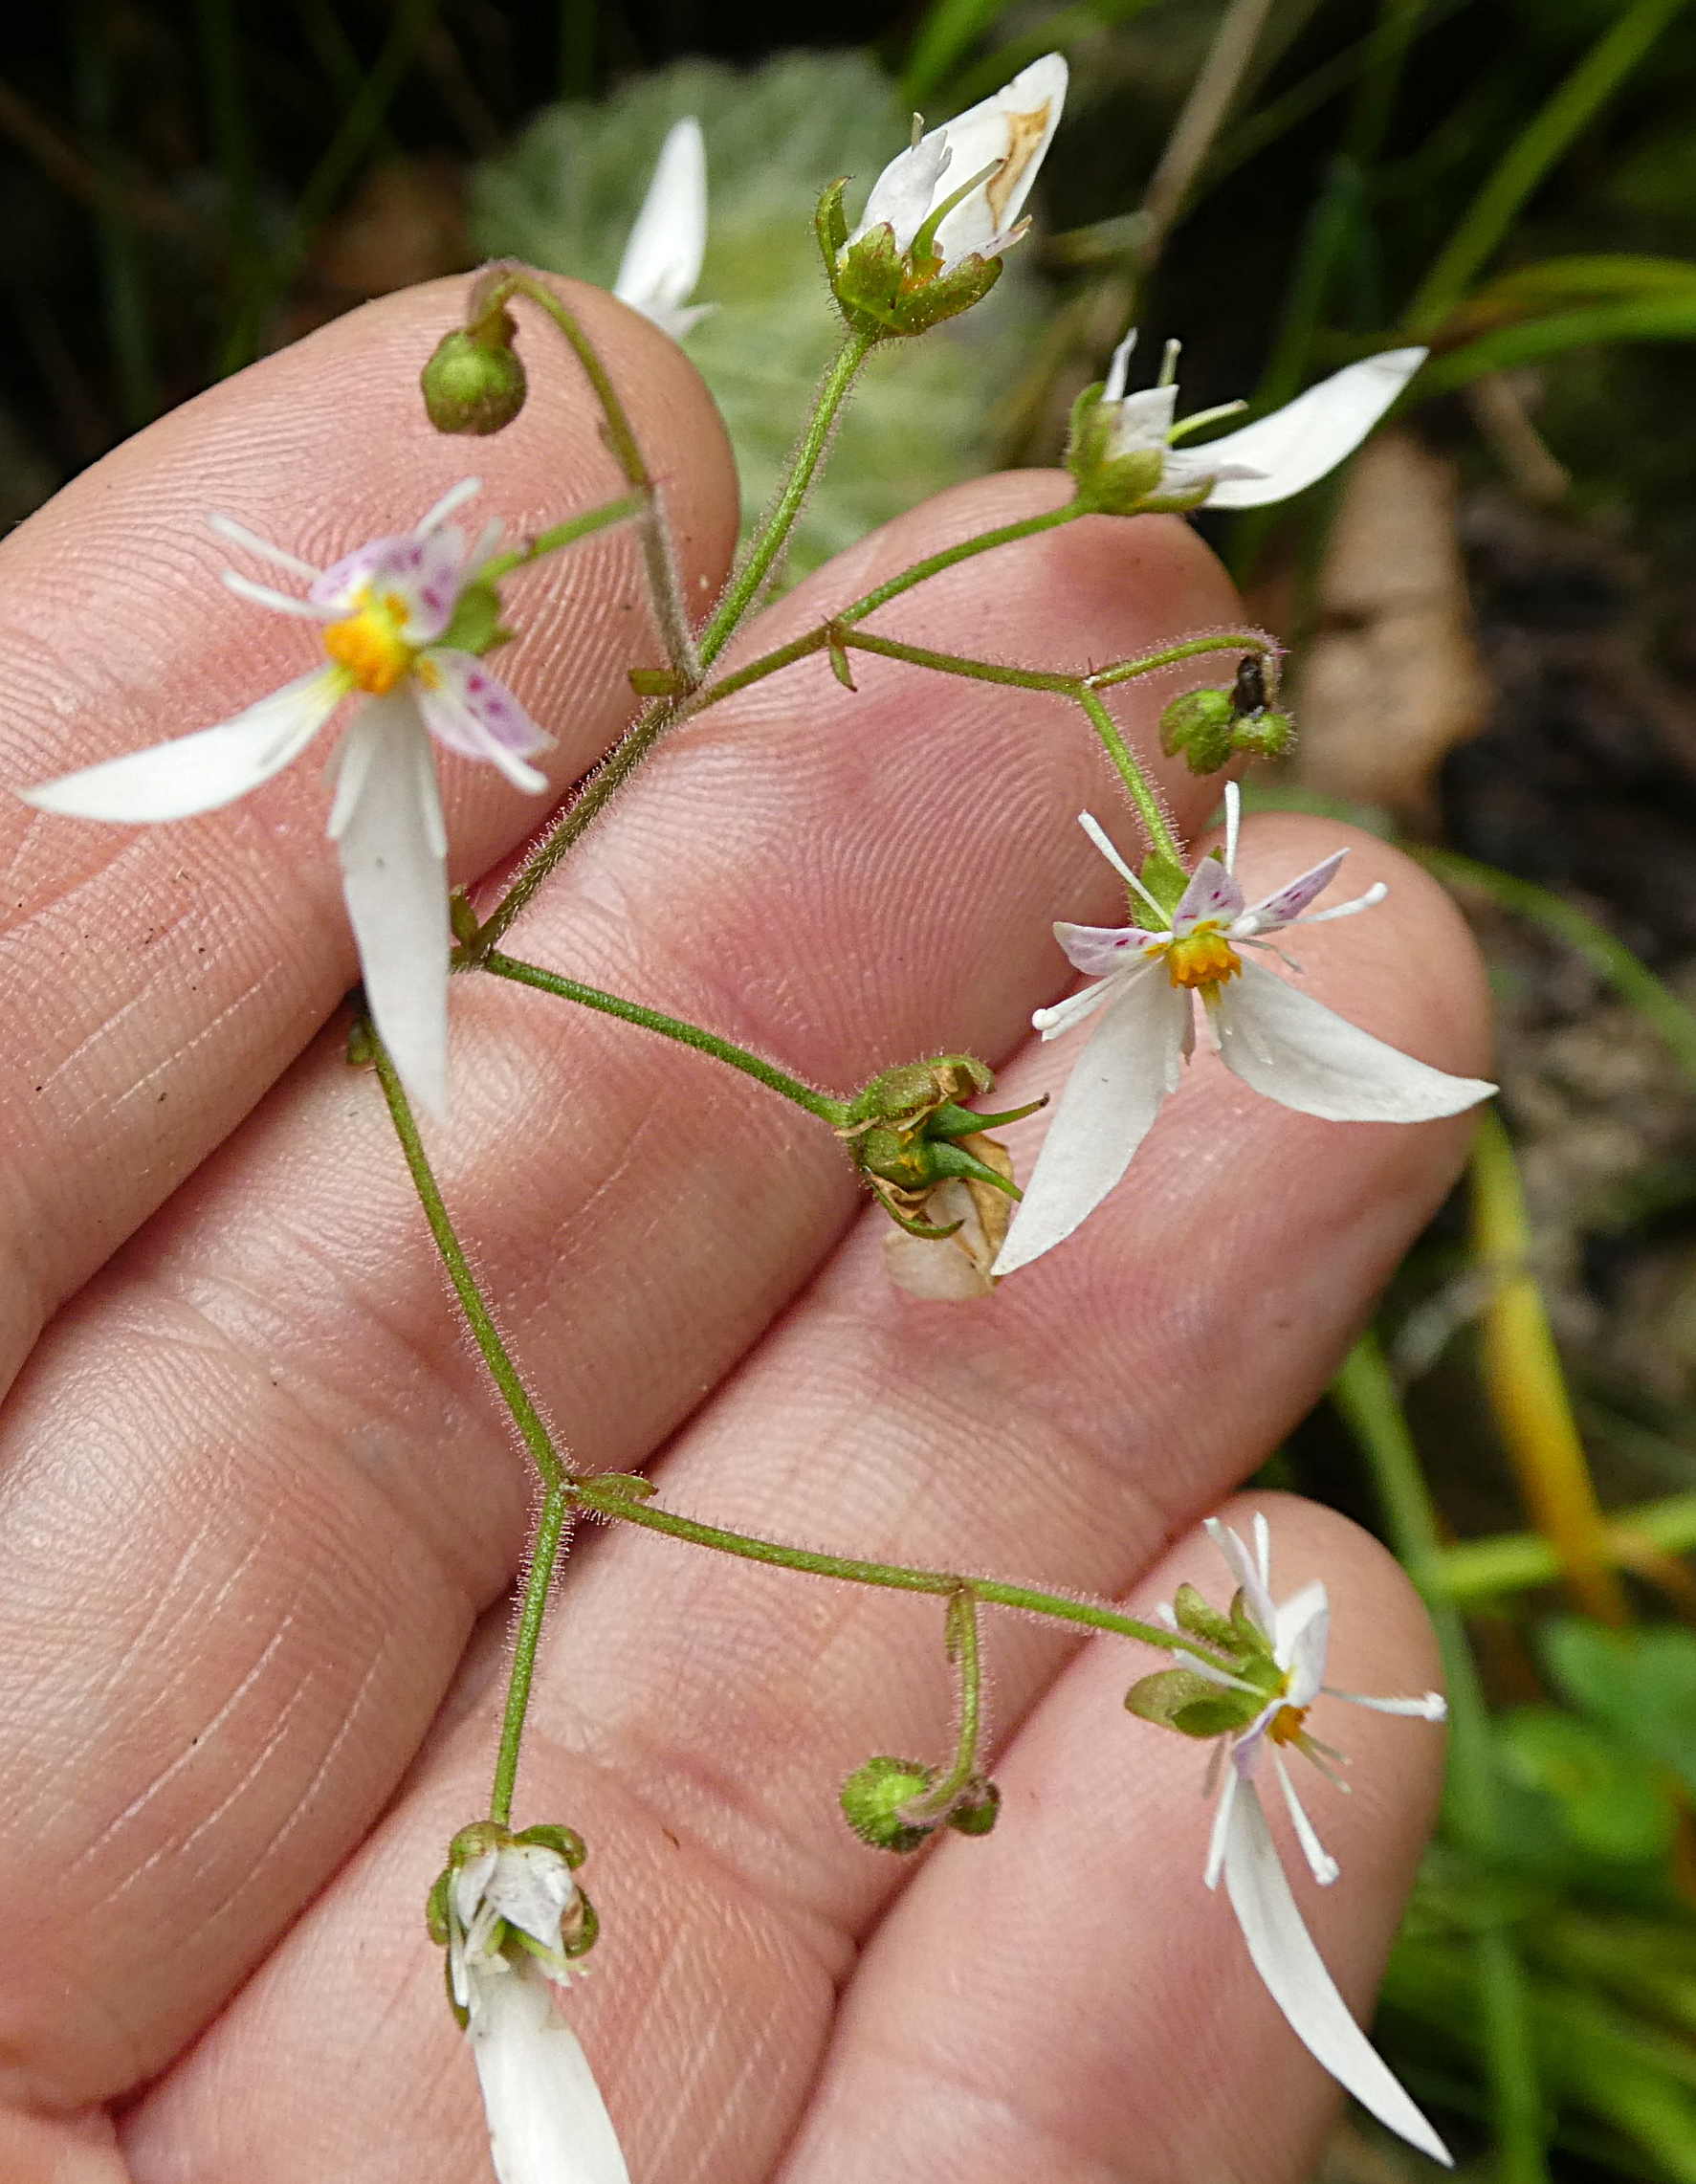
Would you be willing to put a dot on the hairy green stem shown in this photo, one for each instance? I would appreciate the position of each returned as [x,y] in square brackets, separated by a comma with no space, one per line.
[1365,1395]
[961,1637]
[616,1501]
[558,535]
[1160,837]
[557,1510]
[762,554]
[487,1335]
[664,587]
[828,1109]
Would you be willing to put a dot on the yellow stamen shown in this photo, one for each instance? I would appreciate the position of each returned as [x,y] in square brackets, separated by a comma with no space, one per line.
[369,644]
[1286,1725]
[1203,958]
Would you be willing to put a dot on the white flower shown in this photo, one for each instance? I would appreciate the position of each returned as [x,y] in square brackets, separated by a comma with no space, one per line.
[1269,460]
[384,611]
[997,146]
[662,261]
[547,2121]
[1243,1850]
[1275,1037]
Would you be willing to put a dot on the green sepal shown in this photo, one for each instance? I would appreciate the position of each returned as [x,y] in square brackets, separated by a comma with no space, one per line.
[831,226]
[927,1231]
[436,1908]
[979,1809]
[564,1842]
[950,1160]
[882,292]
[1170,1693]
[654,682]
[952,1121]
[1194,1614]
[1165,879]
[1266,734]
[841,667]
[587,1931]
[871,1799]
[477,626]
[1219,1715]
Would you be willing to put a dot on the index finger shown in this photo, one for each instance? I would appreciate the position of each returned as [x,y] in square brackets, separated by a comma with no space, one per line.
[161,978]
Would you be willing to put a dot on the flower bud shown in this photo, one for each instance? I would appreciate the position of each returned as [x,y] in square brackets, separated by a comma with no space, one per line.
[873,1798]
[474,381]
[1263,735]
[1200,725]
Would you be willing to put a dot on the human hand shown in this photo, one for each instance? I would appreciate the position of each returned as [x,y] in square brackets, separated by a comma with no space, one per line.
[258,1516]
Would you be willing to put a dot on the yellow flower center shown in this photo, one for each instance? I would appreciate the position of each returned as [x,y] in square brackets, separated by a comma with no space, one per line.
[1203,958]
[369,644]
[1286,1725]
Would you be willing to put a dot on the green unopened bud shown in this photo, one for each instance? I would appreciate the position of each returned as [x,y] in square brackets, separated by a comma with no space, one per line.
[1263,735]
[475,382]
[1198,726]
[873,1798]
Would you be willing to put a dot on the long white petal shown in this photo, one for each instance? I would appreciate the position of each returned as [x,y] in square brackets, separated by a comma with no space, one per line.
[547,2121]
[1012,130]
[203,771]
[1294,1049]
[662,261]
[1131,1062]
[1295,446]
[1295,1977]
[394,876]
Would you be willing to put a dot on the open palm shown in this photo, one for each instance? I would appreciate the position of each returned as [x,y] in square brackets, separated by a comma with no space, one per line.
[259,1517]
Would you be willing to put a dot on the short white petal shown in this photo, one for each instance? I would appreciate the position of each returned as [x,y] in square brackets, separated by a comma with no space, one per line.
[1429,1706]
[1245,1570]
[1295,446]
[1012,131]
[203,771]
[905,193]
[662,261]
[1131,1062]
[547,2121]
[1300,1634]
[394,876]
[1295,1977]
[532,1887]
[1294,1049]
[1141,419]
[1118,371]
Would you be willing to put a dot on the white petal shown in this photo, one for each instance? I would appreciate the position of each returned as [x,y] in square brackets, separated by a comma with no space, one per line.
[439,511]
[203,771]
[1068,1014]
[1294,1049]
[1133,1060]
[904,193]
[662,261]
[1011,130]
[1098,834]
[1142,420]
[239,534]
[1301,1633]
[1245,1570]
[1323,1866]
[532,1886]
[1118,369]
[1295,1977]
[547,2121]
[394,876]
[470,1881]
[1295,446]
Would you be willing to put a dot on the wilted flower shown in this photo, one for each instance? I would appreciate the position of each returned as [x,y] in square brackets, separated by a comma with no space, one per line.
[1275,1037]
[994,147]
[662,261]
[1248,1682]
[392,614]
[1125,456]
[938,218]
[513,1919]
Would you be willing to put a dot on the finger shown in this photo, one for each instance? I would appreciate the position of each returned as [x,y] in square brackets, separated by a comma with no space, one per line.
[1066,1999]
[160,977]
[695,1715]
[262,1413]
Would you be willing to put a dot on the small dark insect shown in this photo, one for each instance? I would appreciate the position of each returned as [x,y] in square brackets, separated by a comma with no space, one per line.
[1250,693]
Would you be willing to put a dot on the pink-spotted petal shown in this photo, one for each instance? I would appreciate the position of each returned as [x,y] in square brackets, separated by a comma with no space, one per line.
[1212,895]
[1100,950]
[474,713]
[423,573]
[1287,905]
